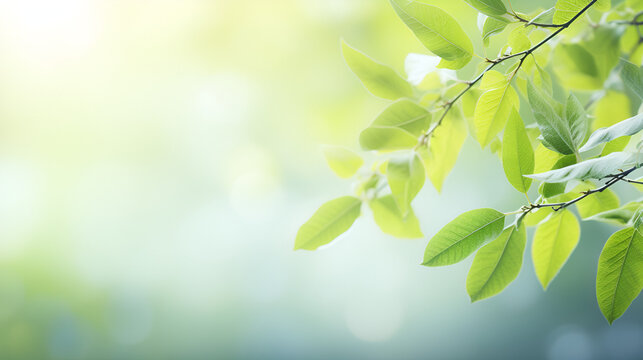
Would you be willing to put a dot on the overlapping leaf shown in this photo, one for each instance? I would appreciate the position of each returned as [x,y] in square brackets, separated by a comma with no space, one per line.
[626,127]
[389,218]
[517,153]
[497,264]
[553,243]
[462,236]
[437,30]
[590,169]
[405,175]
[494,106]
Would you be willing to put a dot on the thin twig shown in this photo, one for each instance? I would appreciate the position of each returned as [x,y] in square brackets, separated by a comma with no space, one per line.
[561,205]
[449,104]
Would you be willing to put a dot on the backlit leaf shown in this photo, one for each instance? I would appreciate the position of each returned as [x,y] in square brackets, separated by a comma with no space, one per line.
[331,220]
[344,162]
[405,175]
[497,264]
[462,236]
[619,279]
[437,31]
[517,153]
[553,243]
[391,221]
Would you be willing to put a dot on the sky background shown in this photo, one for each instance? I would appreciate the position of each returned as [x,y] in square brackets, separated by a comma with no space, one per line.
[158,156]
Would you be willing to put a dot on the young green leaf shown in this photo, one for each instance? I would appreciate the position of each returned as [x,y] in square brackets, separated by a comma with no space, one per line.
[576,67]
[626,127]
[590,169]
[619,279]
[386,139]
[545,159]
[535,217]
[567,9]
[379,79]
[618,217]
[632,76]
[390,220]
[552,189]
[444,148]
[437,31]
[406,115]
[497,264]
[344,162]
[545,17]
[405,175]
[494,106]
[611,109]
[462,236]
[577,120]
[554,241]
[517,153]
[555,131]
[488,7]
[493,26]
[328,222]
[597,203]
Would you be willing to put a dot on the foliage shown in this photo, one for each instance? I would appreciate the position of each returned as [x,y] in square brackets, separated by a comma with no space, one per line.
[562,73]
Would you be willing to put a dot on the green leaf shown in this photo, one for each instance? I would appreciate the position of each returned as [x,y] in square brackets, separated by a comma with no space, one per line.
[462,236]
[331,220]
[493,26]
[605,47]
[443,150]
[405,175]
[386,139]
[626,127]
[632,76]
[535,217]
[517,153]
[437,31]
[567,9]
[620,216]
[596,203]
[590,169]
[344,162]
[611,109]
[554,241]
[576,67]
[494,106]
[545,158]
[616,145]
[406,115]
[488,7]
[545,17]
[390,220]
[552,189]
[497,264]
[577,120]
[518,40]
[555,131]
[379,79]
[619,279]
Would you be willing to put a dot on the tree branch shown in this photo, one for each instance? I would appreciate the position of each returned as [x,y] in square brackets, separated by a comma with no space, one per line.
[561,205]
[425,137]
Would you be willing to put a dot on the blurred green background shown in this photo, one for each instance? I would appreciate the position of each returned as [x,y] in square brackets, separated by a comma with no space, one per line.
[158,156]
